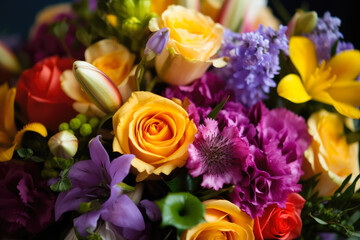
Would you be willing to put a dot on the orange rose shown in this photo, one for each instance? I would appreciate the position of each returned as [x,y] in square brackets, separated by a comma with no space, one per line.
[156,130]
[222,218]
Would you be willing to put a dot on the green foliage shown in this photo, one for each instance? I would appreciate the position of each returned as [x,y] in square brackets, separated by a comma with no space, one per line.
[63,184]
[93,205]
[338,213]
[59,29]
[181,210]
[28,154]
[214,113]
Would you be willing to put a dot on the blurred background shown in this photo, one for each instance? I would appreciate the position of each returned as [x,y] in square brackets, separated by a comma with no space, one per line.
[18,16]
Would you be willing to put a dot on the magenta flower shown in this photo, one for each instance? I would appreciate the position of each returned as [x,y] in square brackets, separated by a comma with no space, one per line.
[96,181]
[26,203]
[216,155]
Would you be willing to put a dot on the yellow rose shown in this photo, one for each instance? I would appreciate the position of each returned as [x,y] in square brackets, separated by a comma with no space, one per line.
[329,153]
[156,130]
[194,39]
[112,58]
[224,220]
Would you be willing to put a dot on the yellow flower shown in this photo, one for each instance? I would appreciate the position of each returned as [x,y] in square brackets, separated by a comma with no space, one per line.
[331,82]
[110,57]
[194,39]
[156,130]
[329,153]
[10,139]
[159,6]
[223,218]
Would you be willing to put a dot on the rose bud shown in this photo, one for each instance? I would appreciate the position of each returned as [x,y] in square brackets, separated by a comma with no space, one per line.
[97,86]
[63,145]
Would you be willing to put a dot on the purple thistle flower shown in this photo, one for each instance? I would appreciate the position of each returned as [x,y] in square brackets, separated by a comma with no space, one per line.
[253,62]
[97,180]
[215,154]
[325,35]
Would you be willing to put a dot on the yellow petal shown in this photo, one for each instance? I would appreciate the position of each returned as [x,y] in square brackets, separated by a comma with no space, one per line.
[346,65]
[291,88]
[7,122]
[6,153]
[34,127]
[346,91]
[347,109]
[303,55]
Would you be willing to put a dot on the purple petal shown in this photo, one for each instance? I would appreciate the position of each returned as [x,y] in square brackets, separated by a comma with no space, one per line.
[98,154]
[124,213]
[152,210]
[85,174]
[120,168]
[87,221]
[69,200]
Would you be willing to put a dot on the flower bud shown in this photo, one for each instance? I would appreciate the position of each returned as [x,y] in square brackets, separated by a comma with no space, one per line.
[157,43]
[8,60]
[232,13]
[132,27]
[302,23]
[63,145]
[97,86]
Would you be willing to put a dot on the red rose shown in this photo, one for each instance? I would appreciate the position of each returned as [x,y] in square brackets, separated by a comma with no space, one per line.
[40,96]
[277,223]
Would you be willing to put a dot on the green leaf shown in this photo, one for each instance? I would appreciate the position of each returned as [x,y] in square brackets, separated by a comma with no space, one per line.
[36,159]
[22,152]
[348,193]
[342,186]
[318,220]
[354,218]
[63,163]
[183,182]
[214,113]
[84,37]
[63,184]
[59,29]
[81,8]
[181,210]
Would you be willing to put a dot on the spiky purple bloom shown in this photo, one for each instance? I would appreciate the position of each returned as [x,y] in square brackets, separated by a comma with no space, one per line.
[253,62]
[325,35]
[26,203]
[215,155]
[273,168]
[96,181]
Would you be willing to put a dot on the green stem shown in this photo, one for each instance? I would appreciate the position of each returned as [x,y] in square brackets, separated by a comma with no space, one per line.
[281,10]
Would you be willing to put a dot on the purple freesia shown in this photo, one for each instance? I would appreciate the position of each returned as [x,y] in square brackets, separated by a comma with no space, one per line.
[96,181]
[26,203]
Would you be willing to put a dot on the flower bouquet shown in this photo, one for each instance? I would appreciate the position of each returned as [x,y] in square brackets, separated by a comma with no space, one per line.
[139,119]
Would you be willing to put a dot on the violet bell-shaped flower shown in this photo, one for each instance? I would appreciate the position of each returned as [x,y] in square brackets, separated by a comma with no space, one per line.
[97,86]
[97,193]
[156,43]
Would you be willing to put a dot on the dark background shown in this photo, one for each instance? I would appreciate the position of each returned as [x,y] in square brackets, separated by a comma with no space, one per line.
[16,16]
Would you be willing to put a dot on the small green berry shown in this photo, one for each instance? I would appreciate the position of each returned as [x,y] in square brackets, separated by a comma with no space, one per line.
[83,118]
[94,121]
[85,129]
[71,131]
[63,126]
[75,123]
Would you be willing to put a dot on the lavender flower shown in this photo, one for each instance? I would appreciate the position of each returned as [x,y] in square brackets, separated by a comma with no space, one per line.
[215,155]
[253,62]
[96,181]
[325,35]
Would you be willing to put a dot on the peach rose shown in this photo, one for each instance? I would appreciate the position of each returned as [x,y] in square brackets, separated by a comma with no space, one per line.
[110,57]
[329,153]
[194,39]
[222,218]
[156,130]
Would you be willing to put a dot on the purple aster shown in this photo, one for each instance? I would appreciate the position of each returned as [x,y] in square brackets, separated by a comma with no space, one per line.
[325,35]
[215,155]
[273,167]
[26,203]
[96,181]
[253,62]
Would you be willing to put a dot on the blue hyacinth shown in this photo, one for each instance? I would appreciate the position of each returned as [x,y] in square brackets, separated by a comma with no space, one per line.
[253,62]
